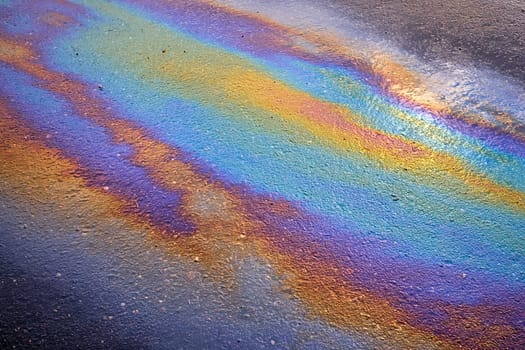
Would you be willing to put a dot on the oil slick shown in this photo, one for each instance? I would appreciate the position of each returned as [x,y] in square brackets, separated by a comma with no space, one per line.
[309,185]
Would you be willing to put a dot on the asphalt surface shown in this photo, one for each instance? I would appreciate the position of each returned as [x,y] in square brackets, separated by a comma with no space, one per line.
[483,33]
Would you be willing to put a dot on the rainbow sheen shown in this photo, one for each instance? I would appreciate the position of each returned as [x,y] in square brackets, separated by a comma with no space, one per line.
[387,216]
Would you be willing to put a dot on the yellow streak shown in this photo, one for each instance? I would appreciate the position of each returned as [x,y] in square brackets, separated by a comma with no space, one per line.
[209,75]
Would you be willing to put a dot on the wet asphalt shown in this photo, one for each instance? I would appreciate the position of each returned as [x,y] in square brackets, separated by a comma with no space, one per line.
[487,34]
